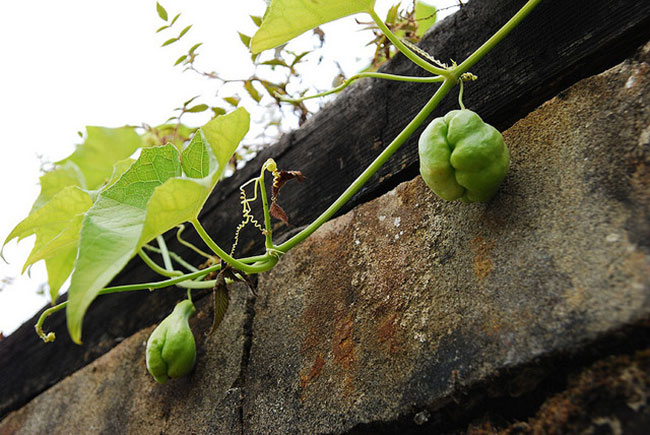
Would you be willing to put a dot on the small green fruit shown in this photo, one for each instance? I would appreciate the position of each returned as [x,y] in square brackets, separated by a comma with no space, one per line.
[462,157]
[171,350]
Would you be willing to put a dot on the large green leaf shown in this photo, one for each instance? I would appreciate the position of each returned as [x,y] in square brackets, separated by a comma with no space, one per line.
[112,227]
[56,226]
[204,161]
[102,148]
[151,197]
[286,19]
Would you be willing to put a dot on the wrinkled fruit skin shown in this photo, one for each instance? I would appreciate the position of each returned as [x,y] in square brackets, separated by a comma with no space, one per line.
[171,350]
[462,157]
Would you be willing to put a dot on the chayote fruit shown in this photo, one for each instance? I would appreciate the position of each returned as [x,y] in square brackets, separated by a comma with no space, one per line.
[462,157]
[171,350]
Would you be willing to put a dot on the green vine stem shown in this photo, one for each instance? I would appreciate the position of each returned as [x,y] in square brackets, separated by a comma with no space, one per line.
[447,85]
[153,266]
[262,266]
[50,336]
[460,95]
[496,38]
[184,242]
[270,166]
[174,256]
[164,252]
[404,49]
[377,75]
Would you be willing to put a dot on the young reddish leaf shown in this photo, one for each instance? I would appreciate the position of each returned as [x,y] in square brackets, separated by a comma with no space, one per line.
[281,180]
[162,13]
[277,212]
[220,300]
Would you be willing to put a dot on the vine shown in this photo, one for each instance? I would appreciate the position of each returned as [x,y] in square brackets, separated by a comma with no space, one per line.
[98,208]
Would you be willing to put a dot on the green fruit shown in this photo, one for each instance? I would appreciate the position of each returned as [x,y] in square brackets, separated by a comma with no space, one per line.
[462,157]
[171,350]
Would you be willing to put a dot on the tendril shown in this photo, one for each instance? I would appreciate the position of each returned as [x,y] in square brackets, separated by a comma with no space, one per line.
[248,218]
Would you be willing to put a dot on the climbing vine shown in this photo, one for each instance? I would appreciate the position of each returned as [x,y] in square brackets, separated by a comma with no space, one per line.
[100,207]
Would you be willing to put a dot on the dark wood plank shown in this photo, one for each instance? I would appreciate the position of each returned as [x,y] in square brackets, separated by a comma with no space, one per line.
[560,43]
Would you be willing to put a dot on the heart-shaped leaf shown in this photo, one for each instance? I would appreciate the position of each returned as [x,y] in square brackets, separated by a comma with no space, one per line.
[152,196]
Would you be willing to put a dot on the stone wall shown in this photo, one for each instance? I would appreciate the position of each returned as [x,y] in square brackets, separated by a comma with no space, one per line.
[409,314]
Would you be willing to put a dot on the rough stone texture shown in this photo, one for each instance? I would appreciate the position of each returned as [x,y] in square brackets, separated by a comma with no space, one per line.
[115,394]
[392,308]
[610,396]
[408,305]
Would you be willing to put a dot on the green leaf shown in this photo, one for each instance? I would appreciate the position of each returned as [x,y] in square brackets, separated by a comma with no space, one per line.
[112,227]
[218,111]
[56,226]
[67,174]
[162,13]
[150,198]
[392,15]
[102,148]
[245,39]
[233,101]
[196,159]
[184,31]
[174,19]
[248,85]
[180,59]
[426,16]
[299,57]
[181,199]
[276,62]
[169,41]
[198,108]
[160,29]
[190,100]
[194,47]
[257,20]
[286,19]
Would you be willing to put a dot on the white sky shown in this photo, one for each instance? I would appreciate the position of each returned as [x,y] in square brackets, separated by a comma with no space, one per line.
[68,64]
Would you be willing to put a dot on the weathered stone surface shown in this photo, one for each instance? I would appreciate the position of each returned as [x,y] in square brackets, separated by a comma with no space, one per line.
[611,396]
[394,307]
[115,394]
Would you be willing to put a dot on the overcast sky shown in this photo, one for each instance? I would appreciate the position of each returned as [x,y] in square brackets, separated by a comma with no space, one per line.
[74,63]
